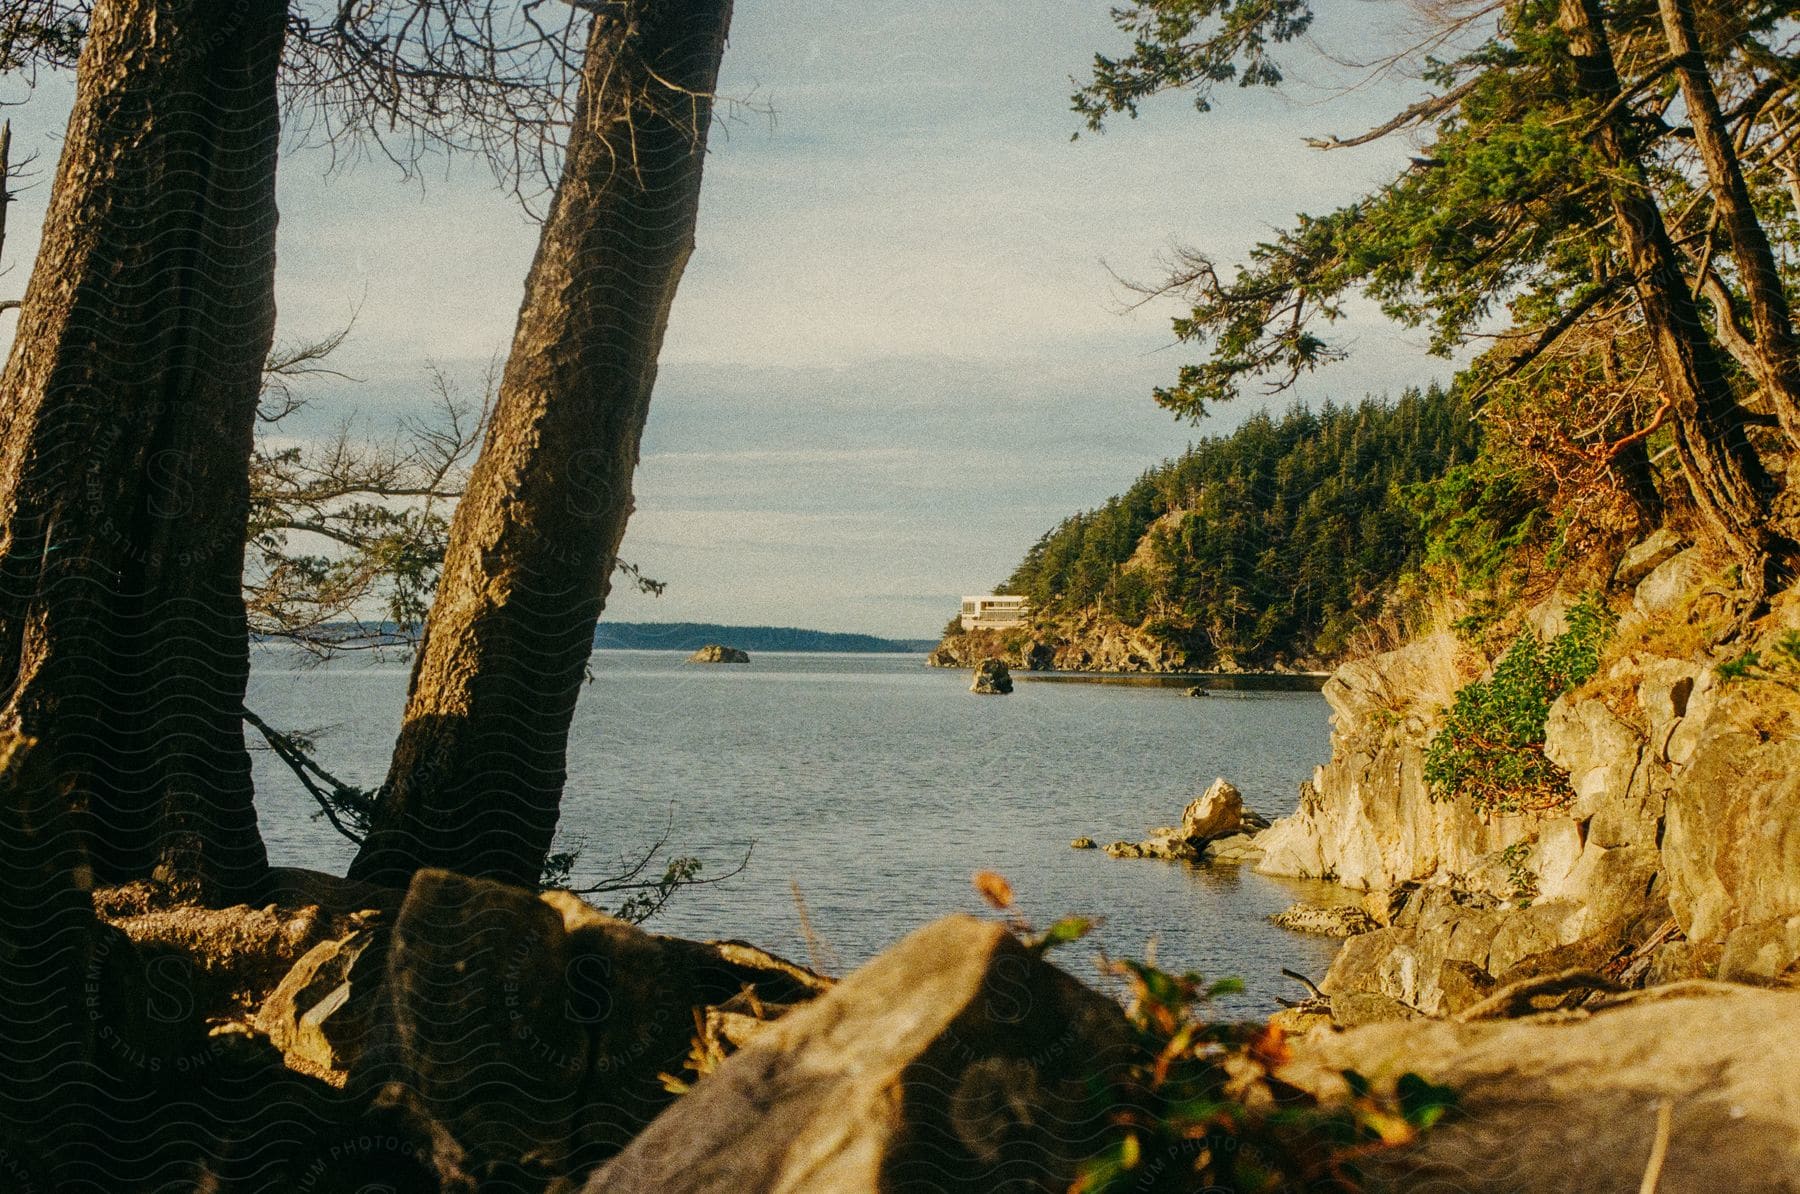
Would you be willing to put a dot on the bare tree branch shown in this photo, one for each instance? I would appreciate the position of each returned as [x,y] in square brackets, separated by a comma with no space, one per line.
[1414,114]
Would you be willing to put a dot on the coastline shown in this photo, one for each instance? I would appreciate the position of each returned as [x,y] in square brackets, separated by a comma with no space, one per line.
[1217,681]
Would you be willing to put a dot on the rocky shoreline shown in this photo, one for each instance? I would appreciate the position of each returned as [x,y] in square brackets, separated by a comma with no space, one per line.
[1674,859]
[466,1036]
[1098,646]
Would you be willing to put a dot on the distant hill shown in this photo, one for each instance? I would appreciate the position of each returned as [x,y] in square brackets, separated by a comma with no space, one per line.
[661,636]
[1263,549]
[691,636]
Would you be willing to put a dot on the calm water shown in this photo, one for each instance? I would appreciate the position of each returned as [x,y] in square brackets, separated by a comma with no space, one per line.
[877,785]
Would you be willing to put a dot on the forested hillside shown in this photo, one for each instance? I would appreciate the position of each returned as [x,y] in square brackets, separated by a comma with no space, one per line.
[1262,548]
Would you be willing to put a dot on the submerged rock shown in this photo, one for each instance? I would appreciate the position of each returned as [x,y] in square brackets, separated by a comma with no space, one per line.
[714,653]
[992,678]
[1170,843]
[955,1060]
[1083,843]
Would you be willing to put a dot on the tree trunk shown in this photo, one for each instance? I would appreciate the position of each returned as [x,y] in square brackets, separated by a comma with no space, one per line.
[1776,353]
[126,416]
[1723,474]
[49,1005]
[478,770]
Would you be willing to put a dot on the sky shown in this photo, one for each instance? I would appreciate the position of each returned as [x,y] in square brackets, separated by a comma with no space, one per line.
[901,351]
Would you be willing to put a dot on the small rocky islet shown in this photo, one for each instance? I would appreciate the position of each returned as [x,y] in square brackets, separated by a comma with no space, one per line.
[991,678]
[1215,827]
[718,653]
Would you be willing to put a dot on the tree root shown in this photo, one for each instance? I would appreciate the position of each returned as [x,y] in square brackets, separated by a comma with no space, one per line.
[1516,999]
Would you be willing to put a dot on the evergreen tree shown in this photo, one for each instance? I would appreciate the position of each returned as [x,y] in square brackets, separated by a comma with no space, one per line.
[1266,545]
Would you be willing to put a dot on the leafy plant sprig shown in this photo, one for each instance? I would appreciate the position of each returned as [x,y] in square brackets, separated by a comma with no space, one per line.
[1202,1110]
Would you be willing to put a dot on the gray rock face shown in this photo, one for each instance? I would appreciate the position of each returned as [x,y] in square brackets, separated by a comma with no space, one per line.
[1686,807]
[1672,582]
[1643,558]
[1037,657]
[1366,819]
[1556,1106]
[1766,952]
[1732,846]
[955,1061]
[991,678]
[714,653]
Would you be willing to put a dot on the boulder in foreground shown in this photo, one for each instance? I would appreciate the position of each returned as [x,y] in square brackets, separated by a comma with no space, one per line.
[715,653]
[526,1025]
[956,1061]
[992,678]
[1552,1105]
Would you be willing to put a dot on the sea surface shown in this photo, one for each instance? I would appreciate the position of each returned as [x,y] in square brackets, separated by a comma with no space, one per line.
[875,786]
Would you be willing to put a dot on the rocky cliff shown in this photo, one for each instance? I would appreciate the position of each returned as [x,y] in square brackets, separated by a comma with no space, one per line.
[1676,855]
[1092,640]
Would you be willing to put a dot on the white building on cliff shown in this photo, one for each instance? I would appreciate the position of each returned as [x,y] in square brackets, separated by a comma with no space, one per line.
[994,611]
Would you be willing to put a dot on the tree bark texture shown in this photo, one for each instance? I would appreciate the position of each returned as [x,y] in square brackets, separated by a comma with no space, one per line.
[1723,474]
[126,415]
[48,1038]
[1776,354]
[478,769]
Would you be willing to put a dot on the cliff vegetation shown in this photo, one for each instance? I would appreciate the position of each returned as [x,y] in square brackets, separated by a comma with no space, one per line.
[1263,549]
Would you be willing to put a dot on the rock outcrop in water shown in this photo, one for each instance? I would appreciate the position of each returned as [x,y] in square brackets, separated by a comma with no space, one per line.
[1216,816]
[715,653]
[1332,920]
[991,678]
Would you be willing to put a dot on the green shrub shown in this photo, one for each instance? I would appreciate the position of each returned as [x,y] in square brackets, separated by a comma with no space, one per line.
[1780,665]
[1204,1110]
[1490,749]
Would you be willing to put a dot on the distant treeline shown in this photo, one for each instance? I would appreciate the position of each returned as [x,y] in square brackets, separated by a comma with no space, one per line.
[691,636]
[651,636]
[1264,546]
